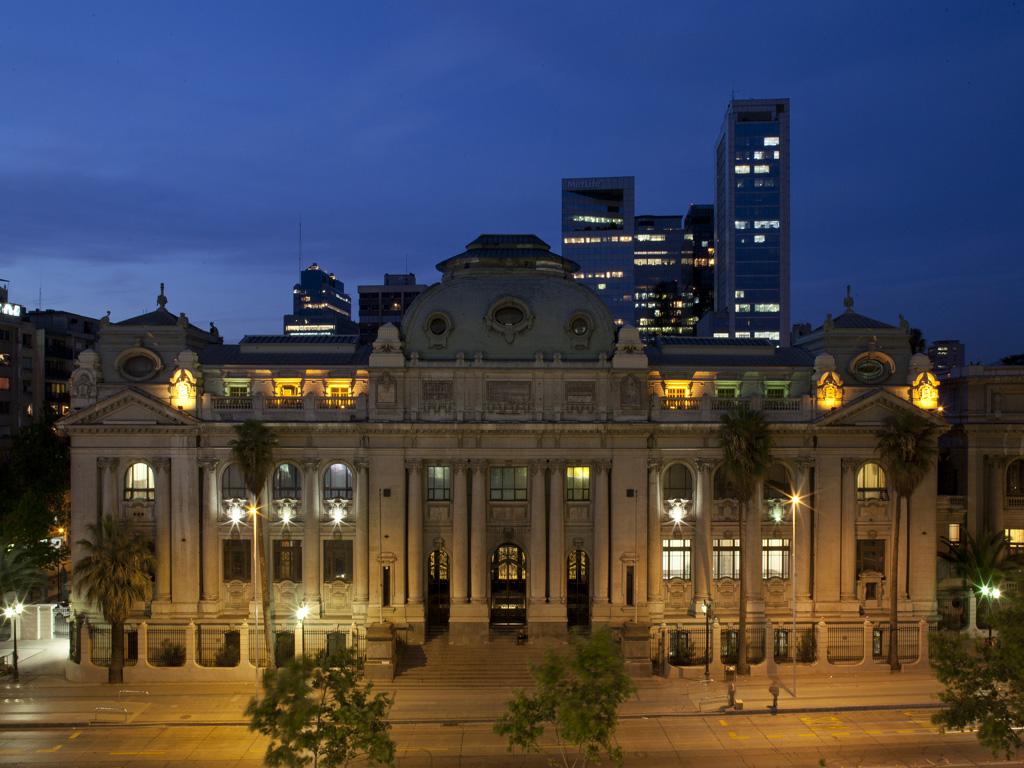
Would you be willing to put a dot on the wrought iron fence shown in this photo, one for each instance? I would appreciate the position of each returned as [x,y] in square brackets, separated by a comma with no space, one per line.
[804,644]
[689,646]
[165,645]
[75,641]
[218,645]
[755,644]
[845,642]
[99,639]
[953,609]
[61,621]
[906,641]
[284,646]
[326,639]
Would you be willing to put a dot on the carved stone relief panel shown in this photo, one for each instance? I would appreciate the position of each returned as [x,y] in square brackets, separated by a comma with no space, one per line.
[502,514]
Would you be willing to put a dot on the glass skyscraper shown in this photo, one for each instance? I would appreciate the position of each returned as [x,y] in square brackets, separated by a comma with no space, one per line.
[320,306]
[752,227]
[699,256]
[663,283]
[597,233]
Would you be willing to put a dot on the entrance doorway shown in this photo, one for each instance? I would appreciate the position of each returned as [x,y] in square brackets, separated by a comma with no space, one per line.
[508,585]
[438,594]
[577,604]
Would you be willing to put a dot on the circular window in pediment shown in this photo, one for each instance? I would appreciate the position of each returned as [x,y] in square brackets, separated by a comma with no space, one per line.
[509,315]
[872,368]
[138,364]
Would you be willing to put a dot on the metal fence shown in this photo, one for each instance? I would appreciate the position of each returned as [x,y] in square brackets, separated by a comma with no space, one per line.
[218,645]
[284,646]
[755,644]
[75,641]
[906,641]
[61,621]
[689,646]
[99,638]
[845,642]
[953,609]
[165,645]
[328,639]
[804,644]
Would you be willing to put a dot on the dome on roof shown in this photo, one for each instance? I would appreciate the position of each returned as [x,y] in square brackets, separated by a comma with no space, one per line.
[510,298]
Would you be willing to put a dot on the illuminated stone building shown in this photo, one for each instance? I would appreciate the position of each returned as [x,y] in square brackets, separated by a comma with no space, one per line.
[509,456]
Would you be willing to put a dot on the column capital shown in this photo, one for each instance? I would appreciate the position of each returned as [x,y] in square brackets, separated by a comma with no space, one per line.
[557,464]
[209,464]
[414,465]
[996,460]
[478,465]
[459,465]
[705,465]
[601,465]
[310,465]
[362,464]
[162,463]
[536,465]
[654,465]
[108,462]
[850,463]
[803,463]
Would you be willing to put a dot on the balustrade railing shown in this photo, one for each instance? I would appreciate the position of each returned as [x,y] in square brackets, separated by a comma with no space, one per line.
[232,403]
[789,404]
[290,403]
[680,403]
[335,403]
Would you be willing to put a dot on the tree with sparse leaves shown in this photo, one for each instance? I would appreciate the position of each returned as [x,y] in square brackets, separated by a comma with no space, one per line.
[322,712]
[578,694]
[984,682]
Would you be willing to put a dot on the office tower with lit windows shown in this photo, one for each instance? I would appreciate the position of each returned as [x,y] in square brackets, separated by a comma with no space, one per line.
[597,233]
[320,306]
[752,226]
[699,256]
[662,282]
[380,304]
[946,354]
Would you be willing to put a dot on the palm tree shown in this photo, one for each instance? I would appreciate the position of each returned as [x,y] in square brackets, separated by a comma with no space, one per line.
[19,573]
[746,458]
[981,562]
[114,574]
[253,449]
[907,445]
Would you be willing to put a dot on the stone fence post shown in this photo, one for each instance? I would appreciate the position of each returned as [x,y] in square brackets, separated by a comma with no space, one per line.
[142,638]
[869,642]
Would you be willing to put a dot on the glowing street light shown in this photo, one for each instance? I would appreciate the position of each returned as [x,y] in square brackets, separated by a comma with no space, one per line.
[677,510]
[990,593]
[302,612]
[12,613]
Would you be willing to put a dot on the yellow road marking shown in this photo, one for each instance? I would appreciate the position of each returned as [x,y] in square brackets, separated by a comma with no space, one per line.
[75,735]
[874,732]
[732,735]
[137,753]
[51,749]
[722,723]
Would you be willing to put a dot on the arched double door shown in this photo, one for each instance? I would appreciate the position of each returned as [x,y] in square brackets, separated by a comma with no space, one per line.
[438,591]
[508,585]
[577,589]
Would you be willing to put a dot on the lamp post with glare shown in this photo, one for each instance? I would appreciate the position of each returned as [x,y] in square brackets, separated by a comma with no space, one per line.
[12,613]
[793,500]
[706,608]
[988,592]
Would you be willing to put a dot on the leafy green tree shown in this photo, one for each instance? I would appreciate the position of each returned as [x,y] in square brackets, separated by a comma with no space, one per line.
[19,573]
[908,446]
[253,449]
[115,572]
[322,712]
[746,459]
[984,682]
[579,695]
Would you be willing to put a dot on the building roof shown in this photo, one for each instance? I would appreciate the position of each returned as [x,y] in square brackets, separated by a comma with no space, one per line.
[291,340]
[233,354]
[734,355]
[497,251]
[159,316]
[853,321]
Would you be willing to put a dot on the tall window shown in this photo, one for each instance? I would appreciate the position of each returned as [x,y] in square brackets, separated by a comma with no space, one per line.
[508,483]
[237,559]
[775,558]
[678,482]
[1015,478]
[338,482]
[1014,541]
[675,558]
[577,483]
[338,560]
[288,560]
[287,482]
[439,483]
[870,556]
[139,484]
[871,483]
[725,560]
[232,483]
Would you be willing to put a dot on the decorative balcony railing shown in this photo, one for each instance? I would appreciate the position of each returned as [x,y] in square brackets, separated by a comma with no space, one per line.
[286,403]
[232,403]
[725,403]
[680,403]
[1015,502]
[335,403]
[781,404]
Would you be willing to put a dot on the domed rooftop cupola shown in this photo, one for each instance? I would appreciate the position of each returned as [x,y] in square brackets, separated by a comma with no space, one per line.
[508,297]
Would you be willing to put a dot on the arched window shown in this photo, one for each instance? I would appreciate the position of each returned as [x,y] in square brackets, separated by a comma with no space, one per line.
[723,486]
[139,484]
[287,482]
[777,484]
[232,483]
[338,482]
[871,483]
[1015,478]
[678,483]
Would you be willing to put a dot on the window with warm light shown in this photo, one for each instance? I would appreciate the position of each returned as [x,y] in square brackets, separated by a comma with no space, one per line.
[577,483]
[287,387]
[139,483]
[675,558]
[871,484]
[953,533]
[1014,540]
[775,558]
[725,559]
[338,482]
[288,560]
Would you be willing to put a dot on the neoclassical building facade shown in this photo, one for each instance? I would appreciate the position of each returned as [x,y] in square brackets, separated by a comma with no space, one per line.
[508,457]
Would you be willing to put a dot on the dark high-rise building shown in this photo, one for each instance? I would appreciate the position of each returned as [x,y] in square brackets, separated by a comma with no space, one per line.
[946,355]
[597,233]
[320,306]
[662,283]
[59,338]
[699,257]
[380,304]
[752,225]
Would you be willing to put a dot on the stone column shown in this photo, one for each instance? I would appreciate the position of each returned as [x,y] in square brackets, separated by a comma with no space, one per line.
[537,562]
[111,492]
[478,532]
[556,534]
[163,529]
[654,513]
[311,577]
[996,484]
[460,533]
[415,546]
[211,536]
[361,556]
[804,520]
[848,532]
[600,556]
[752,544]
[701,552]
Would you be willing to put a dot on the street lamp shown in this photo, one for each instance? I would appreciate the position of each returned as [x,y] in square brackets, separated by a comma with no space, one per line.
[257,576]
[793,500]
[301,613]
[12,613]
[988,592]
[706,609]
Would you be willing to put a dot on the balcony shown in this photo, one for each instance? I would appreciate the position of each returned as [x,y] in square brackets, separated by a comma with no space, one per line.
[335,403]
[232,403]
[1015,502]
[781,404]
[293,408]
[284,403]
[680,403]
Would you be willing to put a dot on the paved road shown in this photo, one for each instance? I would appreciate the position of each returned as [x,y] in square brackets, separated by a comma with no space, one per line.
[862,738]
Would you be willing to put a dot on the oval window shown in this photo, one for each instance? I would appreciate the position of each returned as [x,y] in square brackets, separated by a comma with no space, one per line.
[579,326]
[438,326]
[870,369]
[509,315]
[138,367]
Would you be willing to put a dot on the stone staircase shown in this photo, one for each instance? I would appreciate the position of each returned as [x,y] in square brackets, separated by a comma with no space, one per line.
[499,663]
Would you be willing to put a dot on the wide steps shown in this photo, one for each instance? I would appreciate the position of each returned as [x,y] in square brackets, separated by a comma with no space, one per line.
[495,664]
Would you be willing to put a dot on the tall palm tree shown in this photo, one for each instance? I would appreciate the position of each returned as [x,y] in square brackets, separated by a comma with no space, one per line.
[746,458]
[907,445]
[114,573]
[253,449]
[982,561]
[19,572]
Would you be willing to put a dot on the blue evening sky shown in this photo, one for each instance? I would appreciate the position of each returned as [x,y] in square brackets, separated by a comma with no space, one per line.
[143,142]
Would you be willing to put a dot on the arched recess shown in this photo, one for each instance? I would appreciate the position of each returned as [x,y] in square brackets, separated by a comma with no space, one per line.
[577,582]
[508,585]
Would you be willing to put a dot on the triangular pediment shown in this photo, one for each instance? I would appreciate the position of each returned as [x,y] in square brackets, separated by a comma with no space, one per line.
[130,408]
[872,409]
